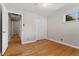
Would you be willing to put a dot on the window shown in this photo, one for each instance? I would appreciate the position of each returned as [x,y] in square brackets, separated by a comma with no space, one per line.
[72,16]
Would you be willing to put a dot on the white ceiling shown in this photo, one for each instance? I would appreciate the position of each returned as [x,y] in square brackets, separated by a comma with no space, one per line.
[33,7]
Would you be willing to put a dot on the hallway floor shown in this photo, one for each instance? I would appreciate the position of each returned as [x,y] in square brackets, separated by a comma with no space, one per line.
[39,48]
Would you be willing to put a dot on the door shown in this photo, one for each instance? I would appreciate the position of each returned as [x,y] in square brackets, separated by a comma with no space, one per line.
[4,29]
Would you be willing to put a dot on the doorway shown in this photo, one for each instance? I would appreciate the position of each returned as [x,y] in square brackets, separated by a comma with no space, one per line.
[14,28]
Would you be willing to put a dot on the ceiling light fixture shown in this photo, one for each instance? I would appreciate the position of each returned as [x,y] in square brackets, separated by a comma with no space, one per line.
[45,4]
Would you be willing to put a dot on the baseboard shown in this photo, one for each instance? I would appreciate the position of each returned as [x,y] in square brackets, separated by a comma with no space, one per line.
[28,42]
[64,43]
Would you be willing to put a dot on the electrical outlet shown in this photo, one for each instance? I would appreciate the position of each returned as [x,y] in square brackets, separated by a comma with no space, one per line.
[61,39]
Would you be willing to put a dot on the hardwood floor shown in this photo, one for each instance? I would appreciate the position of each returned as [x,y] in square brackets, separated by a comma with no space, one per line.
[39,48]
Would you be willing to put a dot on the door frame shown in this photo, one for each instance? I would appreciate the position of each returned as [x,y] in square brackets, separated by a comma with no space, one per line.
[4,43]
[21,35]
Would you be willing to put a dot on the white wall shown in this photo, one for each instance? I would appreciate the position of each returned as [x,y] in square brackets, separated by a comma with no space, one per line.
[58,29]
[30,30]
[41,27]
[30,25]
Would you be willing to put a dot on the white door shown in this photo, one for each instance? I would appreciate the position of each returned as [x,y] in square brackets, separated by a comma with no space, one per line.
[4,29]
[41,28]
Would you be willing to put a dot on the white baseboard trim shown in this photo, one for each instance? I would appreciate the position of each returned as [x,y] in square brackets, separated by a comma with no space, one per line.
[28,42]
[54,41]
[64,43]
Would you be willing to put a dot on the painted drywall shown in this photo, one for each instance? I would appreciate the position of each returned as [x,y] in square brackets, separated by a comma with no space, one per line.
[30,29]
[30,32]
[41,28]
[58,29]
[0,27]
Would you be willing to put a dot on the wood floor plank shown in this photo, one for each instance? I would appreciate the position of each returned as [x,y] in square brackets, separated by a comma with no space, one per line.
[42,47]
[75,53]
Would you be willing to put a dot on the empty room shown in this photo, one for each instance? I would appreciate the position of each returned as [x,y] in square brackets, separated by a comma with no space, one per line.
[40,29]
